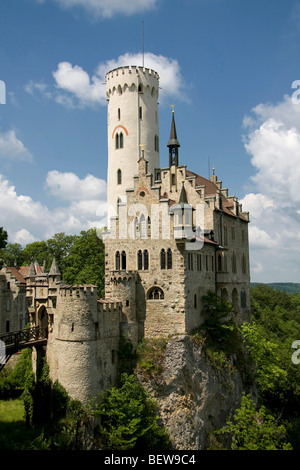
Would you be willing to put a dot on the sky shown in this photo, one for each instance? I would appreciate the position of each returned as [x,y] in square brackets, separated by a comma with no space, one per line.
[231,69]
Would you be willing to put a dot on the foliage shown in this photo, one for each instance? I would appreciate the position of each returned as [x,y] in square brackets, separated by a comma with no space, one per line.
[80,258]
[129,418]
[126,356]
[85,263]
[253,429]
[264,353]
[12,381]
[3,238]
[150,354]
[216,311]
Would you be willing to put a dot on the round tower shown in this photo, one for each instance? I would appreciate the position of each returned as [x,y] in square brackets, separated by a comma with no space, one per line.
[132,95]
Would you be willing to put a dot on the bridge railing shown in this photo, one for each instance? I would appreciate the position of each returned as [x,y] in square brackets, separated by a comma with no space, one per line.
[15,338]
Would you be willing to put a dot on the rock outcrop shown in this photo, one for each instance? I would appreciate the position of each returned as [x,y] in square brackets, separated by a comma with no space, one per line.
[194,397]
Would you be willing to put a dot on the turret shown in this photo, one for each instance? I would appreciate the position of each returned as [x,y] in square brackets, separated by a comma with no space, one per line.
[132,95]
[173,144]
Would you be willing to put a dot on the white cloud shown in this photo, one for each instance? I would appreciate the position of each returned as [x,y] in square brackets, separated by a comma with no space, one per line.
[109,8]
[171,80]
[273,143]
[75,88]
[27,220]
[67,186]
[13,149]
[42,88]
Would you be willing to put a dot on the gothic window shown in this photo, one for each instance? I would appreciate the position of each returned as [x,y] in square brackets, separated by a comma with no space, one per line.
[155,293]
[190,261]
[140,88]
[244,264]
[149,227]
[140,260]
[119,114]
[233,263]
[123,260]
[119,177]
[146,260]
[243,298]
[117,141]
[163,259]
[195,301]
[141,112]
[225,235]
[198,262]
[121,140]
[169,258]
[219,262]
[235,300]
[117,261]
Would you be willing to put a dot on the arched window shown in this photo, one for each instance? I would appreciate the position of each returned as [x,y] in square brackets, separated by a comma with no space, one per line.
[156,143]
[243,298]
[149,227]
[162,259]
[119,177]
[117,261]
[169,258]
[146,260]
[140,89]
[121,140]
[155,293]
[235,302]
[195,301]
[140,260]
[224,294]
[219,262]
[117,141]
[119,114]
[123,260]
[233,263]
[244,264]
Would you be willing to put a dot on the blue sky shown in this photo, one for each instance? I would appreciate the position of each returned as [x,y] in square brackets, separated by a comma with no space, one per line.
[228,67]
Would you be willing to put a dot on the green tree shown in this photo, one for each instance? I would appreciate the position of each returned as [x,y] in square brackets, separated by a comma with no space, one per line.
[129,418]
[60,246]
[3,238]
[12,253]
[264,353]
[37,251]
[253,429]
[85,263]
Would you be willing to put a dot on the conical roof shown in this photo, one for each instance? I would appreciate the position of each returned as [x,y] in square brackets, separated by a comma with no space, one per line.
[173,142]
[54,271]
[31,271]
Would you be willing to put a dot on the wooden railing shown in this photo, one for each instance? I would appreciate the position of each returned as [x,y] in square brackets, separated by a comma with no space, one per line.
[16,339]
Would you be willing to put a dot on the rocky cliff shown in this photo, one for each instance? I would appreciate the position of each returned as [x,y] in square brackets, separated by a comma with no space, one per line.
[195,396]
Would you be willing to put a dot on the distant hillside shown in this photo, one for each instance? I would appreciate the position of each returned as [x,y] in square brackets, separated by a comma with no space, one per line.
[289,287]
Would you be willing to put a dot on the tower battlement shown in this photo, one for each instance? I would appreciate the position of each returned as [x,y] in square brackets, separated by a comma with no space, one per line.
[77,291]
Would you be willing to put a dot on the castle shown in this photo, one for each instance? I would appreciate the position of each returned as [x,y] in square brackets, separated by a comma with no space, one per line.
[172,236]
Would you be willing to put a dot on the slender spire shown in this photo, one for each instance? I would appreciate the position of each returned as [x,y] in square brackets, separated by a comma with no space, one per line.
[173,143]
[183,197]
[54,271]
[31,271]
